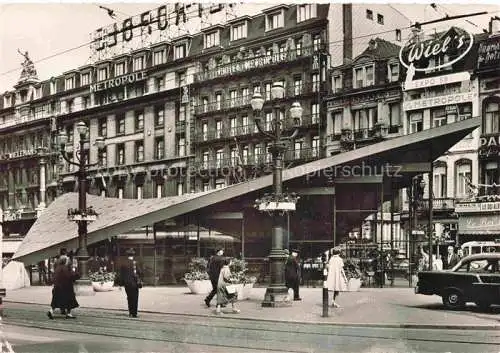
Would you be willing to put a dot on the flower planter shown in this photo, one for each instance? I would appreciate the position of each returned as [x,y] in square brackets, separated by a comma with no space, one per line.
[199,286]
[277,206]
[247,290]
[354,284]
[103,286]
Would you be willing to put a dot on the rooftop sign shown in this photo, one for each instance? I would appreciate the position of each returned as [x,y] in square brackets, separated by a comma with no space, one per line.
[489,53]
[118,81]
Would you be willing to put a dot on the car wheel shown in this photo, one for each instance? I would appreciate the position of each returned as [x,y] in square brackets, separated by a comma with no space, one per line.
[453,299]
[483,305]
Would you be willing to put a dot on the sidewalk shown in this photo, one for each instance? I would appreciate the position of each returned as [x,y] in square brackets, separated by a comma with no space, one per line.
[386,307]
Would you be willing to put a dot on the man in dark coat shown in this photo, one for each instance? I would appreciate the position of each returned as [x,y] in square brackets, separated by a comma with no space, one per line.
[213,268]
[63,293]
[292,274]
[451,259]
[130,278]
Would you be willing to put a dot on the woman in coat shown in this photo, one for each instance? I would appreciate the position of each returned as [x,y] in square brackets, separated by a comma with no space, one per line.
[223,297]
[63,293]
[336,281]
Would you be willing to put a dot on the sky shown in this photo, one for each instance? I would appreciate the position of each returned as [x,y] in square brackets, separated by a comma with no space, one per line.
[45,30]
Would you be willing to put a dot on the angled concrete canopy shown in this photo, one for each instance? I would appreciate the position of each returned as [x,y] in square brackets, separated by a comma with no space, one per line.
[52,230]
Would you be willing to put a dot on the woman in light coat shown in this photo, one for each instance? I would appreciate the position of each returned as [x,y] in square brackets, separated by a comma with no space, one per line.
[223,296]
[336,281]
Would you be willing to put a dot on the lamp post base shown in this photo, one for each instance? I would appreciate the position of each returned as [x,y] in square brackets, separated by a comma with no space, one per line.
[83,288]
[276,297]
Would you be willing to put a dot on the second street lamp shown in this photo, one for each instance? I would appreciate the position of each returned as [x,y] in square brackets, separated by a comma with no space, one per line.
[279,203]
[83,214]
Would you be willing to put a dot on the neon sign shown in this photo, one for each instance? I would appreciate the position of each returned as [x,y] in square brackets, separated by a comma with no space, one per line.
[415,52]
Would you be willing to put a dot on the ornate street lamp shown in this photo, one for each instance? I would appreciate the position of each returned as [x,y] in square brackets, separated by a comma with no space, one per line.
[83,214]
[278,203]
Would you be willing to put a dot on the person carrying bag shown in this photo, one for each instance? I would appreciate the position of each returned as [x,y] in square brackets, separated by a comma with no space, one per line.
[226,291]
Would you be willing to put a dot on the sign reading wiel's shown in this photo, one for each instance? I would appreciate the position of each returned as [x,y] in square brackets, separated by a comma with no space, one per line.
[416,54]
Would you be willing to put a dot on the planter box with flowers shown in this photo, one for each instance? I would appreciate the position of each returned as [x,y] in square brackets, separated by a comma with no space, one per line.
[102,281]
[239,277]
[88,215]
[271,202]
[353,274]
[197,278]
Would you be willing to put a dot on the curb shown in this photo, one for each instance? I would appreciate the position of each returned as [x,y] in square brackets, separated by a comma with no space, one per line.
[492,327]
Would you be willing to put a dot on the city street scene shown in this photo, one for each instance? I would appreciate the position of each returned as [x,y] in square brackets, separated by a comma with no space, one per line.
[250,177]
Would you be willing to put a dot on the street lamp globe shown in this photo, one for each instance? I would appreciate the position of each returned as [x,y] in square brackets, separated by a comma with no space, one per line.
[99,142]
[257,102]
[296,113]
[277,90]
[81,127]
[62,138]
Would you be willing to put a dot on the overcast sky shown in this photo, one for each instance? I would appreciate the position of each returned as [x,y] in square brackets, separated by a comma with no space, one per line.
[47,29]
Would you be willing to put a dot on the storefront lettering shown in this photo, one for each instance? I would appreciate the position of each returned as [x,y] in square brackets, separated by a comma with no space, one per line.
[490,141]
[118,81]
[473,207]
[437,81]
[482,222]
[488,53]
[415,51]
[437,101]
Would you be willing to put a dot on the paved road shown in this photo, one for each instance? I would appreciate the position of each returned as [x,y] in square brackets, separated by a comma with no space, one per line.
[111,331]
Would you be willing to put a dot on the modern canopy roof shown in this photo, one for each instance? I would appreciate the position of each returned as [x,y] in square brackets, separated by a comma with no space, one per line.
[53,231]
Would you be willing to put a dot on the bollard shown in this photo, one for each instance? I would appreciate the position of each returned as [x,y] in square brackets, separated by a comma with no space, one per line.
[325,290]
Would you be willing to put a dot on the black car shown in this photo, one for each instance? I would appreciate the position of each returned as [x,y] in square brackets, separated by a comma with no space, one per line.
[475,278]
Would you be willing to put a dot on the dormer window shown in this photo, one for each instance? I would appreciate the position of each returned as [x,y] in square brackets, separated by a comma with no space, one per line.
[159,57]
[306,12]
[180,51]
[53,87]
[239,31]
[85,79]
[69,83]
[363,76]
[102,74]
[120,69]
[337,83]
[275,20]
[139,63]
[212,39]
[393,71]
[7,101]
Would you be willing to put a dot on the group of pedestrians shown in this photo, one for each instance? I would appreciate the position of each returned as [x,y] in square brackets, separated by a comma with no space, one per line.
[66,273]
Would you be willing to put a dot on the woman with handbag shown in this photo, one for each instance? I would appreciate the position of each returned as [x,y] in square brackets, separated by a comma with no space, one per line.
[336,280]
[226,292]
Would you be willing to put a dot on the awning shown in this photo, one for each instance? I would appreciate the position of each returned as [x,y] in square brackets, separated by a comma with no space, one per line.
[52,230]
[479,224]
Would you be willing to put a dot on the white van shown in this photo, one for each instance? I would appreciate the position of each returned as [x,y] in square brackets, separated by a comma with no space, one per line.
[478,247]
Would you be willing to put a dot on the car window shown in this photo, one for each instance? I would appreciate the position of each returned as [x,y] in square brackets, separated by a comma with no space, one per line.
[476,266]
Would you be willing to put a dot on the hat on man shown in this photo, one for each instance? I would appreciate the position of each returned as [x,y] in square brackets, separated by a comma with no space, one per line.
[130,252]
[295,252]
[219,248]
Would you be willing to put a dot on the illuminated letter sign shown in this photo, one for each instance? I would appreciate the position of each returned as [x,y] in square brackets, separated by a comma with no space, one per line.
[415,53]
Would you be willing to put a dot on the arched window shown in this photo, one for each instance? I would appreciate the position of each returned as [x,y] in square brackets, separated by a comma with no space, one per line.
[440,179]
[491,115]
[463,177]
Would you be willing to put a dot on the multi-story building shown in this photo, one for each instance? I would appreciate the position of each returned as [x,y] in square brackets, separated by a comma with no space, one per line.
[178,106]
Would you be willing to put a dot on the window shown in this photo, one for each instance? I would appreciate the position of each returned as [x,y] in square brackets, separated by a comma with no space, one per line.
[315,147]
[315,82]
[369,14]
[206,159]
[102,158]
[439,117]
[181,146]
[159,83]
[85,102]
[233,96]
[298,47]
[139,121]
[316,42]
[159,148]
[267,91]
[181,78]
[218,101]
[159,190]
[120,125]
[53,90]
[102,129]
[297,147]
[393,72]
[206,186]
[180,51]
[306,12]
[337,122]
[159,57]
[394,114]
[297,85]
[337,84]
[314,113]
[219,158]
[69,83]
[159,116]
[398,35]
[244,124]
[204,130]
[463,177]
[120,69]
[85,79]
[220,183]
[182,113]
[234,156]
[364,118]
[415,122]
[491,176]
[119,192]
[239,31]
[380,19]
[212,39]
[491,118]
[275,20]
[180,188]
[139,151]
[363,76]
[245,93]
[218,128]
[102,74]
[439,187]
[139,63]
[120,154]
[257,154]
[70,133]
[138,192]
[268,121]
[232,126]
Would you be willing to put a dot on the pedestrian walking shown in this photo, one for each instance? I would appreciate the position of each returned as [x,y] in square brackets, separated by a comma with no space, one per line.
[226,291]
[63,292]
[292,274]
[336,280]
[130,278]
[213,268]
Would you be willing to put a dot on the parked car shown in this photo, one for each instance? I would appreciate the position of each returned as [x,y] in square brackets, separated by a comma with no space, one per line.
[475,278]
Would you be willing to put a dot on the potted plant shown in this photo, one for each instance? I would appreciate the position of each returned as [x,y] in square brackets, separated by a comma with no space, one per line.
[102,280]
[241,279]
[353,275]
[197,278]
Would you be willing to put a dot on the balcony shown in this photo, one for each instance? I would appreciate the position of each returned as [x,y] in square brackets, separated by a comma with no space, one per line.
[252,63]
[438,204]
[180,126]
[303,154]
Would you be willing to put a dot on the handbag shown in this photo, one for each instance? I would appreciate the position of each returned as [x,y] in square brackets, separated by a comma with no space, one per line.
[231,289]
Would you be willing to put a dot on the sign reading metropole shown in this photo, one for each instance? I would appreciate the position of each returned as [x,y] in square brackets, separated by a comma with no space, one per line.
[118,81]
[417,54]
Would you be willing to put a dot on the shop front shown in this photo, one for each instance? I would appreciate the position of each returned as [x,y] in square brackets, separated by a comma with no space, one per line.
[478,220]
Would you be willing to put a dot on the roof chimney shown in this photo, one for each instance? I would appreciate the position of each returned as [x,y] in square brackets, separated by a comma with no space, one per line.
[372,44]
[495,25]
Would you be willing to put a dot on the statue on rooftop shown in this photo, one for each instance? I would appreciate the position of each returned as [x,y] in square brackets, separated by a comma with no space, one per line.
[28,71]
